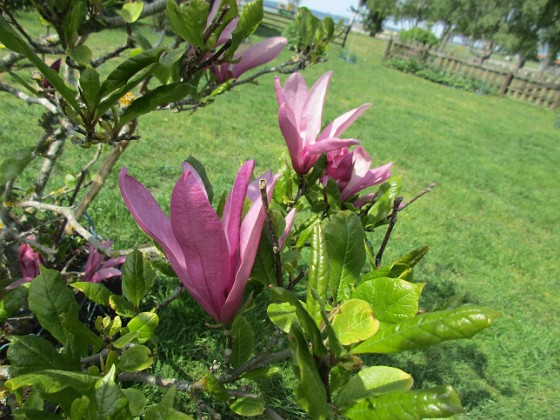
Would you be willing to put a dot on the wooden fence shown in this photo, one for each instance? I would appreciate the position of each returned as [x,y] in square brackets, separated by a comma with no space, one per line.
[542,89]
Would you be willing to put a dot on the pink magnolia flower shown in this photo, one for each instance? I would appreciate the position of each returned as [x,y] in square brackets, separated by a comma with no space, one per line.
[29,262]
[299,116]
[97,269]
[351,170]
[212,257]
[254,56]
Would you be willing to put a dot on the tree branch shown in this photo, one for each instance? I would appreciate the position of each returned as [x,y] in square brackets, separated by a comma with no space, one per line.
[379,256]
[31,100]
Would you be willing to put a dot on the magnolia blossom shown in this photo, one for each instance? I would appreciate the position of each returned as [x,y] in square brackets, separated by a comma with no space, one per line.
[254,56]
[97,269]
[212,257]
[29,262]
[299,116]
[351,170]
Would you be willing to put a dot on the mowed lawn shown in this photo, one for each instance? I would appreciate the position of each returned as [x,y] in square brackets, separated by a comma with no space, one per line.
[491,222]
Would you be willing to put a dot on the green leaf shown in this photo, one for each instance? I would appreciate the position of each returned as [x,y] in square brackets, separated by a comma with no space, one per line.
[429,329]
[227,16]
[81,54]
[136,401]
[243,341]
[189,22]
[81,331]
[354,322]
[263,267]
[310,390]
[35,414]
[248,23]
[15,43]
[49,299]
[122,306]
[333,196]
[383,206]
[248,407]
[344,237]
[130,12]
[164,410]
[373,380]
[51,381]
[168,58]
[145,324]
[334,343]
[215,387]
[394,300]
[73,17]
[95,292]
[201,170]
[138,278]
[307,323]
[413,257]
[318,278]
[125,339]
[80,407]
[161,95]
[135,358]
[14,164]
[109,401]
[90,86]
[30,353]
[283,315]
[441,401]
[12,302]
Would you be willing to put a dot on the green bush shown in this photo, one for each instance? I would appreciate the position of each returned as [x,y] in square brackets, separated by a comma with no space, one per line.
[421,35]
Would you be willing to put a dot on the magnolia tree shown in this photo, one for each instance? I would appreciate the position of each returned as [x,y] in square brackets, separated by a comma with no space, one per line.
[295,241]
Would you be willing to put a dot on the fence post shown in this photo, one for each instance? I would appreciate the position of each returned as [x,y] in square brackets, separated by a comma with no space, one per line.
[387,49]
[507,83]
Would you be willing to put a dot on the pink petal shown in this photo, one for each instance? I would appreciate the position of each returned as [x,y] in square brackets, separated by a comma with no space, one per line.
[289,222]
[295,93]
[113,262]
[312,111]
[186,166]
[228,30]
[340,124]
[233,211]
[291,134]
[250,236]
[258,54]
[200,235]
[104,274]
[366,198]
[372,177]
[19,282]
[328,145]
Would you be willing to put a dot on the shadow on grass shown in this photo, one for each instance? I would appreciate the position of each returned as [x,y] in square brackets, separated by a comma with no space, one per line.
[267,31]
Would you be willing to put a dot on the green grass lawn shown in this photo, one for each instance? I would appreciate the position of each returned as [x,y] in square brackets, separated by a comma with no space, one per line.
[492,221]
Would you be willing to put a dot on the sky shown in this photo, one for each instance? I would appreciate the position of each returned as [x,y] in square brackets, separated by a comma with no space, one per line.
[336,7]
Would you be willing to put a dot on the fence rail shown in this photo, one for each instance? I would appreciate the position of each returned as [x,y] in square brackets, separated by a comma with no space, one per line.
[542,89]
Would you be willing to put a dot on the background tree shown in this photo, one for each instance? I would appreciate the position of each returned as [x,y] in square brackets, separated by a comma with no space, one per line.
[415,10]
[375,12]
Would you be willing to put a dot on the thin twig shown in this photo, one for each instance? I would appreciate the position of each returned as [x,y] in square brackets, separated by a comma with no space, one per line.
[150,379]
[262,360]
[299,193]
[32,100]
[392,221]
[178,292]
[425,191]
[295,281]
[275,245]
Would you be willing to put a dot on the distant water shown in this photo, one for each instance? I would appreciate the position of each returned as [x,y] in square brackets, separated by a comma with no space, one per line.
[320,15]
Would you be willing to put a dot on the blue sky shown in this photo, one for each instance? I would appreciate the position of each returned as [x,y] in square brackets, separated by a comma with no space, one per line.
[336,7]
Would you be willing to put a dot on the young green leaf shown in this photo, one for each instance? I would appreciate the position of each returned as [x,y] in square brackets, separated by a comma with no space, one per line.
[144,324]
[108,400]
[428,329]
[394,300]
[136,401]
[318,273]
[282,315]
[165,410]
[354,322]
[14,164]
[90,86]
[243,341]
[135,359]
[51,381]
[215,387]
[125,339]
[122,306]
[81,54]
[95,292]
[249,21]
[441,401]
[12,302]
[373,380]
[344,237]
[130,12]
[189,22]
[138,278]
[248,406]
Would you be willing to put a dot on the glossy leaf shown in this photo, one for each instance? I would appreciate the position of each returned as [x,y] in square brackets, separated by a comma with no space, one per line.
[30,353]
[263,267]
[373,380]
[79,409]
[189,22]
[49,299]
[125,339]
[249,21]
[144,324]
[441,401]
[318,277]
[51,381]
[137,278]
[248,406]
[413,257]
[81,54]
[136,401]
[282,315]
[95,292]
[215,387]
[122,306]
[109,401]
[12,302]
[14,164]
[428,329]
[135,358]
[354,322]
[335,345]
[90,86]
[243,341]
[344,236]
[310,391]
[394,300]
[130,12]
